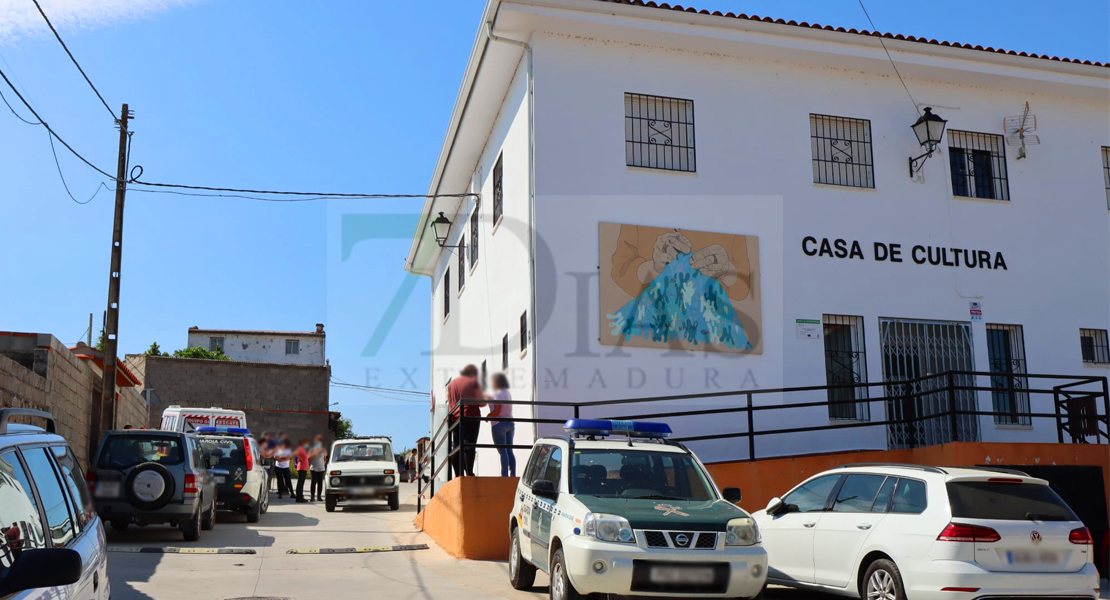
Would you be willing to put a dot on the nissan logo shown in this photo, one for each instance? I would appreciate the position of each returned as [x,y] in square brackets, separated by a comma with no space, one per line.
[1036,537]
[681,539]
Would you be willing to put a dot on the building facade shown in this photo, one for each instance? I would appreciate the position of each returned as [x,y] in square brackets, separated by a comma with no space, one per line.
[281,347]
[617,247]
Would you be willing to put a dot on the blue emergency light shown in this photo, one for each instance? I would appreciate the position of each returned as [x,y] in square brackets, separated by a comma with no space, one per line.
[232,430]
[606,427]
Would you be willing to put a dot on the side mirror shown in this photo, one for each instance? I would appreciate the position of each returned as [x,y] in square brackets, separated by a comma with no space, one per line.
[544,489]
[43,568]
[774,506]
[208,462]
[732,494]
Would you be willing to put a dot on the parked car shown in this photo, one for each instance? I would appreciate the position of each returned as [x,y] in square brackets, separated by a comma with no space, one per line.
[242,482]
[150,476]
[361,469]
[902,531]
[53,544]
[634,515]
[176,418]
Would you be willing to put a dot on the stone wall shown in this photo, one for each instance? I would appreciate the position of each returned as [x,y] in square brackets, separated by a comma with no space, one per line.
[38,371]
[275,397]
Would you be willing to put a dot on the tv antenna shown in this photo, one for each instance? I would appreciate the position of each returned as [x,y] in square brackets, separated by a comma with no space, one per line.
[1019,130]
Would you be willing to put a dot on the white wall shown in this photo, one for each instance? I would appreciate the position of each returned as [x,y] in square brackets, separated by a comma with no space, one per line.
[497,288]
[264,347]
[754,177]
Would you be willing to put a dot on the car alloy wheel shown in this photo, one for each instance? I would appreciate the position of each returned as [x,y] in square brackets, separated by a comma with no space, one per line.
[881,586]
[558,590]
[514,557]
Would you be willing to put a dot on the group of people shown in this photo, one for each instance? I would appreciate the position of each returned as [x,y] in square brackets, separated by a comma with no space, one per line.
[467,387]
[305,457]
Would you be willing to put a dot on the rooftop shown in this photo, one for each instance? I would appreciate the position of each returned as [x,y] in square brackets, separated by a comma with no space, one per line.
[318,333]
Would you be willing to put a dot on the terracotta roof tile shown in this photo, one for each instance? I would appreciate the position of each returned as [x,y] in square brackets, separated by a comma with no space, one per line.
[910,38]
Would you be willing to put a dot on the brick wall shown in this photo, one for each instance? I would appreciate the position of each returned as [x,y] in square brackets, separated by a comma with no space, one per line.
[275,397]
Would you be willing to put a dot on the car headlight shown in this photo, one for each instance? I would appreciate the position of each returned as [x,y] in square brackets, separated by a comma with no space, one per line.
[608,528]
[389,480]
[335,481]
[742,532]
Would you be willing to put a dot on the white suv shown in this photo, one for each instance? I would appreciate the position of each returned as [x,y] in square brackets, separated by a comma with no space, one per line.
[891,532]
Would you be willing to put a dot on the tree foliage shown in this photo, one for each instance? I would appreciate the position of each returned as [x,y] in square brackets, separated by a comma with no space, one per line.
[344,429]
[198,352]
[155,350]
[101,339]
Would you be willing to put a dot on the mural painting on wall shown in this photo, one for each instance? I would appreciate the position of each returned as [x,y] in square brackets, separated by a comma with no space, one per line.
[672,288]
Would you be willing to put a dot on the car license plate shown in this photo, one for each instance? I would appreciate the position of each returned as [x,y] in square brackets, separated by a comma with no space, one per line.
[1032,557]
[107,489]
[220,479]
[682,575]
[363,490]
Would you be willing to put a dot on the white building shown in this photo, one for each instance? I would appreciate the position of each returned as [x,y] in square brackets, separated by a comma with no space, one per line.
[854,270]
[283,347]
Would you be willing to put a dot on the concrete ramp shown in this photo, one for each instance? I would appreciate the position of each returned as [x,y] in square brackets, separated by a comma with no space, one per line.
[469,517]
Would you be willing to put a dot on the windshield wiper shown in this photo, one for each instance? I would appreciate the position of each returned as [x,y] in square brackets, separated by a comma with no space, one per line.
[658,497]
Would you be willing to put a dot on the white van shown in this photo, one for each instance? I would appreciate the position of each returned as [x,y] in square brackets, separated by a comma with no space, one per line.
[176,418]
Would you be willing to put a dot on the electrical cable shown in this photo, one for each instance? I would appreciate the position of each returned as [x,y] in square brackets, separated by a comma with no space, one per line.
[318,195]
[339,381]
[17,115]
[411,401]
[75,63]
[63,177]
[888,57]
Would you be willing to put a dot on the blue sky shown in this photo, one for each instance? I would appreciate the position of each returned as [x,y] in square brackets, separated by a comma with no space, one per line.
[337,96]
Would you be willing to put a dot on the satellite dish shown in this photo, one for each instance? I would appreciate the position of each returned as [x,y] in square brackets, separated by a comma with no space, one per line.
[1019,131]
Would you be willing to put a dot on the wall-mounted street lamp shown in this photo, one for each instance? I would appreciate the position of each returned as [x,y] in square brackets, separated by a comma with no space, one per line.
[441,226]
[929,129]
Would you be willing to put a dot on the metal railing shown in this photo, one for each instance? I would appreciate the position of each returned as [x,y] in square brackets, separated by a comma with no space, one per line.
[1081,410]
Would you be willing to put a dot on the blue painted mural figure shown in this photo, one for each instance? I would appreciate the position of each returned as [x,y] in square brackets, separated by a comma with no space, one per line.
[684,286]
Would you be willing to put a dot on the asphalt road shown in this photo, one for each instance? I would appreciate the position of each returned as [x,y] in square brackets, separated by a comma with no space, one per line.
[273,573]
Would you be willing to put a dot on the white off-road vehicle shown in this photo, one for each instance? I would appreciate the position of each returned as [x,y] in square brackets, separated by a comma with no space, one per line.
[361,469]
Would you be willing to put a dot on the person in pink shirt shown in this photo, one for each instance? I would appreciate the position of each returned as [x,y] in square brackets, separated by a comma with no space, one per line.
[302,467]
[503,430]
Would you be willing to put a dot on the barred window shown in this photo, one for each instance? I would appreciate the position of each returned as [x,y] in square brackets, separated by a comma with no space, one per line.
[978,164]
[474,235]
[659,132]
[498,191]
[1106,173]
[524,332]
[1096,350]
[1006,355]
[462,264]
[446,294]
[845,364]
[841,151]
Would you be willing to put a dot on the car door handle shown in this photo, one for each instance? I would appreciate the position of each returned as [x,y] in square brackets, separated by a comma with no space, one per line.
[864,526]
[809,525]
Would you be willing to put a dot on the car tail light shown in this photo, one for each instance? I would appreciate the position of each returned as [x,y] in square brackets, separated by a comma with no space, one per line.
[959,532]
[190,483]
[1080,536]
[1004,480]
[90,478]
[247,452]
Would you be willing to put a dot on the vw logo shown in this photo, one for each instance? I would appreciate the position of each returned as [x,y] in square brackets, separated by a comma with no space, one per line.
[1036,537]
[682,539]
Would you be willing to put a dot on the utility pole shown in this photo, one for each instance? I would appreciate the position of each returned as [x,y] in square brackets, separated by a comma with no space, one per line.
[89,339]
[111,324]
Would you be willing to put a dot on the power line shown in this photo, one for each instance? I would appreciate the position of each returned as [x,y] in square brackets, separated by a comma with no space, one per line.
[381,389]
[319,195]
[373,393]
[888,57]
[63,177]
[17,115]
[75,63]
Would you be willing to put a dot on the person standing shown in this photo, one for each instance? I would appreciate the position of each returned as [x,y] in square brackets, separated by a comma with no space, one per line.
[464,387]
[503,430]
[302,468]
[281,466]
[317,461]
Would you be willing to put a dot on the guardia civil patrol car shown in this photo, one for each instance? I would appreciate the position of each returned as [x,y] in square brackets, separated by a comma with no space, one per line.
[615,508]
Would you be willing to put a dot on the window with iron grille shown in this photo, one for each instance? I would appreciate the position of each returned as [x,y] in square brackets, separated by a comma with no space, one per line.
[1006,355]
[841,151]
[446,293]
[462,264]
[498,191]
[1106,173]
[1096,350]
[523,332]
[978,164]
[474,235]
[845,364]
[659,132]
[215,343]
[505,353]
[292,346]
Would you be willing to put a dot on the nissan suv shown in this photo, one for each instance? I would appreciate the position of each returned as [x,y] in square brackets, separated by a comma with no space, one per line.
[242,482]
[149,476]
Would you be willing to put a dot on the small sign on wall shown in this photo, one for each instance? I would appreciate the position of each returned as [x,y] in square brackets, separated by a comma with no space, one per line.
[808,329]
[976,310]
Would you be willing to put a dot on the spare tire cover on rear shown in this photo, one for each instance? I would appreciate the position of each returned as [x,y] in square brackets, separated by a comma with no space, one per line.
[149,486]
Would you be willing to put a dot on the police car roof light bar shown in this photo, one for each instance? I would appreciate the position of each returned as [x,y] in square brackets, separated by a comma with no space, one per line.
[210,430]
[606,427]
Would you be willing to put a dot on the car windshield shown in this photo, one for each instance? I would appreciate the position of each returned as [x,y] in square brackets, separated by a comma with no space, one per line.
[126,451]
[223,451]
[1007,502]
[363,451]
[638,474]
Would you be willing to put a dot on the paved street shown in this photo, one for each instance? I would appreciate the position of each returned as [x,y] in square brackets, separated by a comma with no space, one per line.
[272,573]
